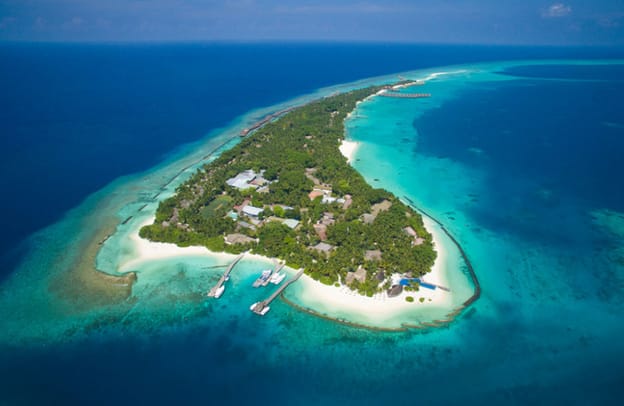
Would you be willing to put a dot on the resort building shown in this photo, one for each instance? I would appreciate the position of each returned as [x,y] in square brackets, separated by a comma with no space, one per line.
[328,218]
[291,223]
[244,224]
[323,247]
[238,239]
[243,180]
[368,218]
[372,255]
[347,202]
[359,275]
[252,211]
[395,290]
[315,193]
[328,199]
[321,231]
[259,181]
[412,233]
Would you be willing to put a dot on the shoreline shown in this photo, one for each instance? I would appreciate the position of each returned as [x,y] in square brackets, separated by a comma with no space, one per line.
[319,299]
[348,149]
[447,319]
[149,251]
[342,304]
[336,304]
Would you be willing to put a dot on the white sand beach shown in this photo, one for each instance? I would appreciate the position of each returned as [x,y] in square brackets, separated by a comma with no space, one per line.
[348,149]
[145,251]
[339,302]
[377,310]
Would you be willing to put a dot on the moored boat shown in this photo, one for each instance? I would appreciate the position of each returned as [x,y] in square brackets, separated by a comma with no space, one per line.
[262,312]
[277,278]
[266,274]
[219,291]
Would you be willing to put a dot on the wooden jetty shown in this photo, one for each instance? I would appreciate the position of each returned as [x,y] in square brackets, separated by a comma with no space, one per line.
[217,290]
[261,308]
[405,95]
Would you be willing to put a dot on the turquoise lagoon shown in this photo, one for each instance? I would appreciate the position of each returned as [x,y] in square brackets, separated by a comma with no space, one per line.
[548,253]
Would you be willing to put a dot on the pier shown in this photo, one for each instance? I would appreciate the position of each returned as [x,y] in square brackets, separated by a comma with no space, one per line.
[405,95]
[261,308]
[434,285]
[217,290]
[428,285]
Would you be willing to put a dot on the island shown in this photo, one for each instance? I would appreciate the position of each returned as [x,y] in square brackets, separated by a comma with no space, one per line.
[286,191]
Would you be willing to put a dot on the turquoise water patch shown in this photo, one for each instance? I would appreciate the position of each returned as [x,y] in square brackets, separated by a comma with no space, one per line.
[545,329]
[518,205]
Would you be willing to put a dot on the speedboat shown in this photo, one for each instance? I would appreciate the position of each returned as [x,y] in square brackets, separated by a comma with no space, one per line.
[219,291]
[277,278]
[266,274]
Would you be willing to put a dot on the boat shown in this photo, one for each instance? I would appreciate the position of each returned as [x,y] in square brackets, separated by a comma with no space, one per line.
[266,281]
[219,291]
[266,274]
[277,278]
[262,312]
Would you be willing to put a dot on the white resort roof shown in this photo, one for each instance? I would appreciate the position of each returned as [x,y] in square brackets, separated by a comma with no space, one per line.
[252,211]
[323,247]
[241,181]
[238,239]
[292,223]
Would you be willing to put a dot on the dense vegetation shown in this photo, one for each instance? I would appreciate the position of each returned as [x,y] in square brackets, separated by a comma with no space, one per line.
[298,152]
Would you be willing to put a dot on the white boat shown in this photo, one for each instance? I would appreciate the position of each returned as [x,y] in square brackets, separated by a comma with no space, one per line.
[266,274]
[219,291]
[277,278]
[264,311]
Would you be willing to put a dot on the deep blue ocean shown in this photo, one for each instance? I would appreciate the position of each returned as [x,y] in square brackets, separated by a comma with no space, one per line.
[565,135]
[548,148]
[75,117]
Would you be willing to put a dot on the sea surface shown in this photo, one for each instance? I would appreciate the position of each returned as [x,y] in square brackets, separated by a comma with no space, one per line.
[521,161]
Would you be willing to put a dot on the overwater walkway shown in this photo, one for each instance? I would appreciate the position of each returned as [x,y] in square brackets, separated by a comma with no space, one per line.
[262,307]
[214,291]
